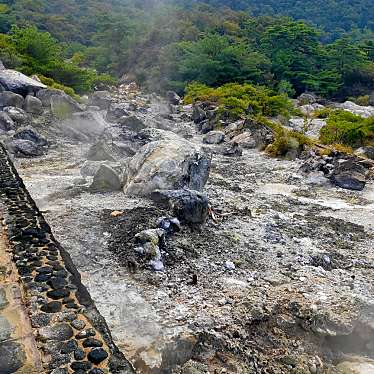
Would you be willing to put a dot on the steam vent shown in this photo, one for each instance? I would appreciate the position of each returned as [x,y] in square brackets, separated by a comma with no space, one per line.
[48,321]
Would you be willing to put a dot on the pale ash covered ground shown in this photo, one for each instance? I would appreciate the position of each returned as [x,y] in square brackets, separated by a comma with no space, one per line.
[300,299]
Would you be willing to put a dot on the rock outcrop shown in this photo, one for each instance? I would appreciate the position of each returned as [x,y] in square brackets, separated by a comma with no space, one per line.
[165,165]
[11,80]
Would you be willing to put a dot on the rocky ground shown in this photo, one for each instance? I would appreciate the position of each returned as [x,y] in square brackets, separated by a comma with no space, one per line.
[278,280]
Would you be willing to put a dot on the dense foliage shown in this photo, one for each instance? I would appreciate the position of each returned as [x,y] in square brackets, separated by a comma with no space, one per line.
[167,45]
[348,129]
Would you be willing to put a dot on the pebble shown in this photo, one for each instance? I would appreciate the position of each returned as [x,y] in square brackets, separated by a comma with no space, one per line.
[58,332]
[78,324]
[97,355]
[229,265]
[52,307]
[40,320]
[91,342]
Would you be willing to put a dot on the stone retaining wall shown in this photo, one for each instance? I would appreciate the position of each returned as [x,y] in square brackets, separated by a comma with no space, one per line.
[70,334]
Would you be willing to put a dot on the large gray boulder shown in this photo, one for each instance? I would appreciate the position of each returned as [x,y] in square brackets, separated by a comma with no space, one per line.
[173,98]
[6,123]
[33,105]
[100,152]
[244,140]
[165,165]
[18,115]
[45,96]
[19,83]
[106,179]
[188,205]
[262,134]
[63,106]
[214,137]
[8,98]
[363,111]
[116,112]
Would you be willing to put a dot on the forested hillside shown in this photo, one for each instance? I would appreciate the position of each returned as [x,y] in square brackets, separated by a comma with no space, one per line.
[166,46]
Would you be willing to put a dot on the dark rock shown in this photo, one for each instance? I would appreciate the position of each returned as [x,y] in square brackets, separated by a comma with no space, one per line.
[198,114]
[206,127]
[96,371]
[33,105]
[85,334]
[231,150]
[69,347]
[188,205]
[97,355]
[78,324]
[8,98]
[262,134]
[101,99]
[58,332]
[81,365]
[92,342]
[40,320]
[173,98]
[6,123]
[25,148]
[349,174]
[79,354]
[12,357]
[57,282]
[116,112]
[58,294]
[45,270]
[28,133]
[133,123]
[19,83]
[52,307]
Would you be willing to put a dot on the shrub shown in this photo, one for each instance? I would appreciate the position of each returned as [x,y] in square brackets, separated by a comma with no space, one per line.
[360,100]
[239,101]
[52,84]
[348,129]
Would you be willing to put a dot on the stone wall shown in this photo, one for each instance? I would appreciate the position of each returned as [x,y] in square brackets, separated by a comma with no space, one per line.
[53,305]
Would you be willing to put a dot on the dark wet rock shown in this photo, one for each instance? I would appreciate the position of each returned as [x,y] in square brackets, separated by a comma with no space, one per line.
[12,357]
[58,332]
[25,148]
[349,174]
[214,137]
[45,270]
[231,150]
[28,133]
[58,294]
[81,365]
[96,371]
[97,355]
[79,354]
[100,152]
[85,334]
[92,342]
[106,179]
[167,164]
[188,205]
[69,347]
[42,277]
[101,99]
[133,123]
[19,83]
[40,320]
[18,115]
[6,122]
[52,307]
[33,105]
[57,282]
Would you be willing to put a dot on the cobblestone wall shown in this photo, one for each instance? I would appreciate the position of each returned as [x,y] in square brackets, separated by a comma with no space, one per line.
[70,334]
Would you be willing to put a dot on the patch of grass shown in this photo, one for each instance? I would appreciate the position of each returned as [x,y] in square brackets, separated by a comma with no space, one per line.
[53,84]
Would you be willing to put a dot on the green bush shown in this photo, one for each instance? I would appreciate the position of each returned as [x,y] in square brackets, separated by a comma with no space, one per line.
[348,129]
[239,101]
